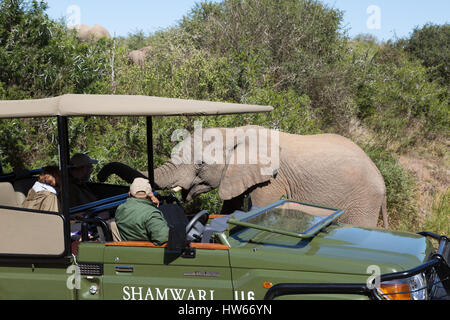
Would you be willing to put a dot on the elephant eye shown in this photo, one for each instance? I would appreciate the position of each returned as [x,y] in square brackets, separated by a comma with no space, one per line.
[198,164]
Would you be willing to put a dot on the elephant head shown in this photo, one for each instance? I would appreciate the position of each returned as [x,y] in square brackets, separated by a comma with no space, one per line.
[94,33]
[232,160]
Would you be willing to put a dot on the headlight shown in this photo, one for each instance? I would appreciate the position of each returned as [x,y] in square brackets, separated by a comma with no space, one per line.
[414,288]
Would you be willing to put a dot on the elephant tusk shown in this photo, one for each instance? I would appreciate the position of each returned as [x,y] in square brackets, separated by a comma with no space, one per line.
[176,189]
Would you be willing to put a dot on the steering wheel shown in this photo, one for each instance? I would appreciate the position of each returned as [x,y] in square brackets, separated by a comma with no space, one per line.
[195,219]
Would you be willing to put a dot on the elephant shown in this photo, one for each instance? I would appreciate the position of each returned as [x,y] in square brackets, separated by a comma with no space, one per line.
[94,33]
[323,169]
[138,56]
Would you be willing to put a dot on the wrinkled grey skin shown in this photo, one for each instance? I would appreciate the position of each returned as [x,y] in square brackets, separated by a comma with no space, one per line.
[138,56]
[94,33]
[325,169]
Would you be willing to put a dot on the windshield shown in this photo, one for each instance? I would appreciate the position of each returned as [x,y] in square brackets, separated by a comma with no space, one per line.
[289,218]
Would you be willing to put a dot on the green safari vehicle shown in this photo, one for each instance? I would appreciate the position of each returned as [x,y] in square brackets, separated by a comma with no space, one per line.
[287,250]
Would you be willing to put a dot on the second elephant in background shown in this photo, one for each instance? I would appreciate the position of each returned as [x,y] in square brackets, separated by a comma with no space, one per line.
[94,33]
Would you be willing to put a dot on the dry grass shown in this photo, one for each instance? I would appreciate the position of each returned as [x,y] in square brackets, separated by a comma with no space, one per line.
[430,165]
[439,221]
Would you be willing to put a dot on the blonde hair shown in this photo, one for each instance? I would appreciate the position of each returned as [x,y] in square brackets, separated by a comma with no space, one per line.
[50,175]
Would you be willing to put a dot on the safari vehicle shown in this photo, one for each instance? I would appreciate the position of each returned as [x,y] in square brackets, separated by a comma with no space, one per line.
[287,250]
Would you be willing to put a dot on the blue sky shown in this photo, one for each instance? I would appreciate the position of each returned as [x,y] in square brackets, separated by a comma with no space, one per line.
[385,19]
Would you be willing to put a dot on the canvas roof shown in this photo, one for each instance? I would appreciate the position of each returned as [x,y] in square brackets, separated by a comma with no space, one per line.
[119,105]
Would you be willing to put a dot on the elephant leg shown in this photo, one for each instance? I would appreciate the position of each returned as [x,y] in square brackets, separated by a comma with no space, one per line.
[364,213]
[360,217]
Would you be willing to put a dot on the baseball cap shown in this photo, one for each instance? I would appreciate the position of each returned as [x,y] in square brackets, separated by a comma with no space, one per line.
[140,185]
[81,159]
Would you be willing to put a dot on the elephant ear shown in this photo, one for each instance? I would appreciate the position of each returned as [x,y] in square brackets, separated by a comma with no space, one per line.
[238,177]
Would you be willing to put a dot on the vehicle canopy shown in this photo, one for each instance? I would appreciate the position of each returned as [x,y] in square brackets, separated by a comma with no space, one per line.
[120,105]
[72,105]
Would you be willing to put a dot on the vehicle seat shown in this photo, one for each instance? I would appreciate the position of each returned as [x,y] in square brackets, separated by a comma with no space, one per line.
[114,230]
[8,195]
[21,188]
[174,214]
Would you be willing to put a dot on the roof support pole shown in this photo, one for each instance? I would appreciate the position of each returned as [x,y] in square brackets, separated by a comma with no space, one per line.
[151,174]
[63,150]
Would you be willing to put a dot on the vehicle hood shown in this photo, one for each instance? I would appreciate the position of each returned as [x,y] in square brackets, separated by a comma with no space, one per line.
[338,249]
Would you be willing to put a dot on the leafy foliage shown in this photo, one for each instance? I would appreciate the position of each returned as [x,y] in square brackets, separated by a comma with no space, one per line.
[291,54]
[397,100]
[400,187]
[431,45]
[40,57]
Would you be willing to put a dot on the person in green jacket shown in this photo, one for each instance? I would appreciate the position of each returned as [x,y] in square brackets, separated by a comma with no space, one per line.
[138,219]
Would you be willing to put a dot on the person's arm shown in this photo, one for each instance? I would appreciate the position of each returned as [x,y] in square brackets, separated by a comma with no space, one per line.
[154,199]
[50,203]
[157,228]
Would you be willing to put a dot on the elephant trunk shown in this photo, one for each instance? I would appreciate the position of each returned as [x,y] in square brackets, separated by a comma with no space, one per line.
[164,176]
[122,170]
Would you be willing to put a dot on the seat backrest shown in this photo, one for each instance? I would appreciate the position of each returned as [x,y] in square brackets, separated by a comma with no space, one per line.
[21,187]
[8,195]
[31,233]
[174,214]
[114,230]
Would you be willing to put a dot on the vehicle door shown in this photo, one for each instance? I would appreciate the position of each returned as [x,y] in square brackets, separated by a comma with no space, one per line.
[141,271]
[34,255]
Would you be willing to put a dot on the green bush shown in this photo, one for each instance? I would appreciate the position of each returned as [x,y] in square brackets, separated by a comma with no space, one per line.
[287,45]
[40,57]
[400,188]
[431,45]
[396,99]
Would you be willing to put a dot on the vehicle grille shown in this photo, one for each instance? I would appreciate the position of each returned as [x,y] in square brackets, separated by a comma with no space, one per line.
[436,288]
[446,253]
[91,269]
[437,278]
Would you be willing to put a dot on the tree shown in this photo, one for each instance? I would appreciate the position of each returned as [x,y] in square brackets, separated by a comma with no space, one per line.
[431,44]
[40,57]
[290,45]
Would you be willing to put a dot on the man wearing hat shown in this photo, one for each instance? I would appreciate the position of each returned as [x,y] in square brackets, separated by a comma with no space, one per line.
[80,170]
[138,219]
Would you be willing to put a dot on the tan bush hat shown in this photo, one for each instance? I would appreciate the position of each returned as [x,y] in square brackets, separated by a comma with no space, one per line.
[140,185]
[81,160]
